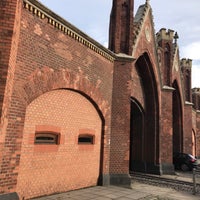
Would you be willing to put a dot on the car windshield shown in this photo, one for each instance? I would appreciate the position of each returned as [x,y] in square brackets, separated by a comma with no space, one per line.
[191,156]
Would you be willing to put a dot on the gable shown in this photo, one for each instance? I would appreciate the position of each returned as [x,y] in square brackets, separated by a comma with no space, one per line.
[144,34]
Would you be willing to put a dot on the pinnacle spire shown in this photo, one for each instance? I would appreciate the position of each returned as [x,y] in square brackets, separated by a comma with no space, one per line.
[121,26]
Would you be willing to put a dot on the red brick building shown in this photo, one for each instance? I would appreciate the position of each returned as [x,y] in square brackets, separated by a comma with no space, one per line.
[75,114]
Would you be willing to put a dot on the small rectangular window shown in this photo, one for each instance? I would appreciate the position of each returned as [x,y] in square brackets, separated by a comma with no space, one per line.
[46,138]
[86,139]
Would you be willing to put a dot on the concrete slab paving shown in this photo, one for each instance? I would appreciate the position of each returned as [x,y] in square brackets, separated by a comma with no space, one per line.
[137,192]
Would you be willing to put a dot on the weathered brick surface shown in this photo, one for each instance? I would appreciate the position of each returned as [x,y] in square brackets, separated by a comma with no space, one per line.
[119,157]
[121,27]
[55,78]
[196,98]
[187,137]
[186,68]
[48,59]
[166,146]
[10,12]
[197,134]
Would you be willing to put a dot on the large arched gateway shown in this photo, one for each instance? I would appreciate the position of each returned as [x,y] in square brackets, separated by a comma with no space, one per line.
[137,136]
[61,144]
[144,136]
[177,120]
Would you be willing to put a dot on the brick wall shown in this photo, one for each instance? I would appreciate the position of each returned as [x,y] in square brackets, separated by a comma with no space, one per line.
[137,89]
[187,127]
[196,98]
[46,169]
[166,148]
[121,27]
[47,59]
[10,13]
[119,160]
[41,55]
[198,133]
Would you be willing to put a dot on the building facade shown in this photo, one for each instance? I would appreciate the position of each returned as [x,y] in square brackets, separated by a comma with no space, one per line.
[75,114]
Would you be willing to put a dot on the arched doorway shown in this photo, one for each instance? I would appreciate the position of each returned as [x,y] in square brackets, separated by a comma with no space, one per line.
[136,136]
[61,139]
[177,120]
[145,127]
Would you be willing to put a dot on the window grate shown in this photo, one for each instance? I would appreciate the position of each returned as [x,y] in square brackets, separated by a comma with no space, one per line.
[46,138]
[86,139]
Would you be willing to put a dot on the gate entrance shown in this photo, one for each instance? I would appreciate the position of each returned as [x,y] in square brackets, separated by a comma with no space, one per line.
[144,133]
[177,120]
[136,137]
[61,144]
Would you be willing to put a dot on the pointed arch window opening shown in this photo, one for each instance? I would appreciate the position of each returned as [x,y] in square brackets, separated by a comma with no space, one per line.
[136,135]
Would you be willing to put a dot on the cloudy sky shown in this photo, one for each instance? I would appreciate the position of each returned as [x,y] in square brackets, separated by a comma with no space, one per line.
[183,16]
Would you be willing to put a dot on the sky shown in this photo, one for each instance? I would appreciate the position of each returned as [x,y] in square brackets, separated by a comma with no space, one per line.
[92,17]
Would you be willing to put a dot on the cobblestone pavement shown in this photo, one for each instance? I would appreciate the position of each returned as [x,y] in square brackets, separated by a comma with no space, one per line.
[137,192]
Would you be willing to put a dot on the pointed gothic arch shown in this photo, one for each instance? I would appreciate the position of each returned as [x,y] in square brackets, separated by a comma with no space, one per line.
[177,119]
[136,136]
[149,157]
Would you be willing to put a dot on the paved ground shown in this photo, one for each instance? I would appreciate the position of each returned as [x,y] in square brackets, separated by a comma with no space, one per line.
[138,192]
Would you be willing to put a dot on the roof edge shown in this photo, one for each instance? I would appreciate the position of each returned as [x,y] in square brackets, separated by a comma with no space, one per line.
[67,28]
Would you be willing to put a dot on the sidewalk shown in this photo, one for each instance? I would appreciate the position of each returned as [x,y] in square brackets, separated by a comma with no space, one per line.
[138,192]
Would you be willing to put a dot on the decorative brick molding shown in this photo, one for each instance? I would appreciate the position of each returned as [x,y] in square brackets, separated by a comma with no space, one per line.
[49,128]
[139,19]
[47,79]
[39,10]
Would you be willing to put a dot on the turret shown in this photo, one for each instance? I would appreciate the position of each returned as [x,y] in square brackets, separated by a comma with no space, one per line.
[186,68]
[196,98]
[10,15]
[165,42]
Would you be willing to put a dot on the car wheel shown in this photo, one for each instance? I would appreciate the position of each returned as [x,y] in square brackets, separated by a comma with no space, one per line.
[184,167]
